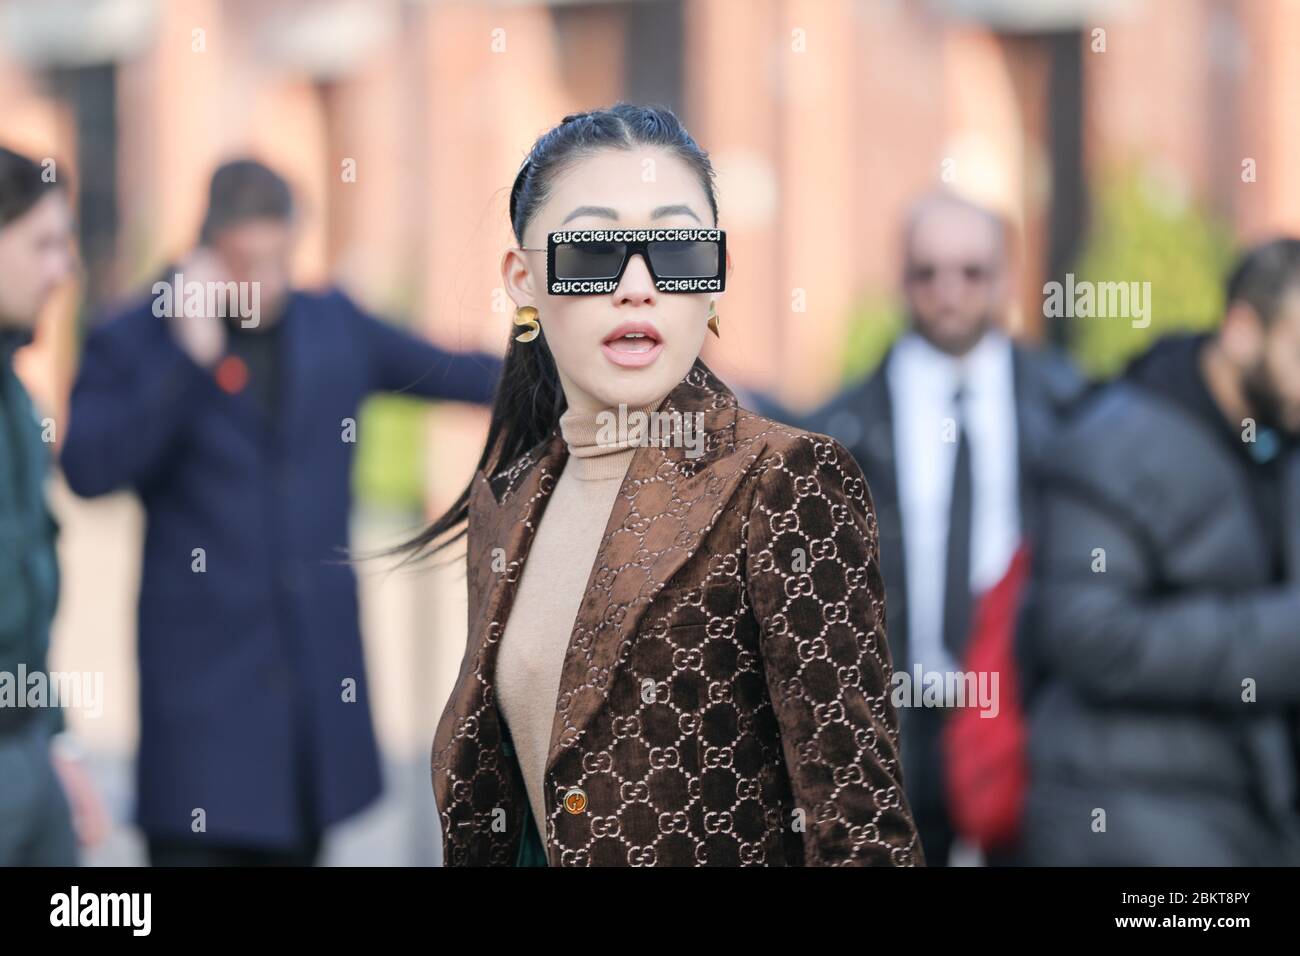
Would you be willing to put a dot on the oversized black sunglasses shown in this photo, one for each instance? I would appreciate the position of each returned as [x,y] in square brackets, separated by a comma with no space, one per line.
[592,261]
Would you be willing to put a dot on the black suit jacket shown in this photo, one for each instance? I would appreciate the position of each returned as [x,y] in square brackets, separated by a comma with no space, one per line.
[861,418]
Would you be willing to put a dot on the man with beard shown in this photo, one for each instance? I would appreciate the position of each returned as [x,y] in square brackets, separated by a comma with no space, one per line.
[1164,617]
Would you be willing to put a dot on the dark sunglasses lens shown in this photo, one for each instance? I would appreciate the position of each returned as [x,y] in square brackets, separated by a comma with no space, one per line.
[684,258]
[971,272]
[589,260]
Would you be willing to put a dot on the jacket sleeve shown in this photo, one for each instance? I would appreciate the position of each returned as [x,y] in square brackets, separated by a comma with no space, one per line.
[132,396]
[814,581]
[1108,634]
[406,363]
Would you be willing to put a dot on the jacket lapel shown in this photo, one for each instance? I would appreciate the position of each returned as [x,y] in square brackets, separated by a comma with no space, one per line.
[881,469]
[506,510]
[1035,425]
[297,357]
[468,756]
[666,506]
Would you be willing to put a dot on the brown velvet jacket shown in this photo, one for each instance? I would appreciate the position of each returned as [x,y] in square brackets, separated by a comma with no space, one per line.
[724,699]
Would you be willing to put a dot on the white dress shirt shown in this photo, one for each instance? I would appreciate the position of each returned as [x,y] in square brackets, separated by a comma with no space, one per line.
[922,383]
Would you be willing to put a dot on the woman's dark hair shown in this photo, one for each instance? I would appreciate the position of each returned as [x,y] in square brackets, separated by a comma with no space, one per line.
[529,399]
[22,186]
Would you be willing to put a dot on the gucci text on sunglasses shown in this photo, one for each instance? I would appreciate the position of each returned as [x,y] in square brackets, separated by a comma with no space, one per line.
[592,261]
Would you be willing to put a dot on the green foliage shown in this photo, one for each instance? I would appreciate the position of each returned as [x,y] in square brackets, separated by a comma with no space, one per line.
[876,321]
[389,466]
[1144,231]
[388,471]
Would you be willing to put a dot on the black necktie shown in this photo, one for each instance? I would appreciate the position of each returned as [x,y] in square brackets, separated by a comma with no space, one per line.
[957,596]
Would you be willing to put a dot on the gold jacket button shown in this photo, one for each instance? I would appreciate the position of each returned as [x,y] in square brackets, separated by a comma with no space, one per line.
[575,800]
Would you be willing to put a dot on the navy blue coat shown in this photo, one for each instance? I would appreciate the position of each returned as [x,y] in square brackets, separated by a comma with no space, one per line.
[245,666]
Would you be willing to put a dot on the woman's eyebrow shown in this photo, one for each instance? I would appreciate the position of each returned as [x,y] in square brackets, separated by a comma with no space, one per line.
[678,210]
[603,212]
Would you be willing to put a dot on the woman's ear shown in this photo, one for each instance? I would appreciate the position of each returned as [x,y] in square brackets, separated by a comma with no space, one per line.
[518,277]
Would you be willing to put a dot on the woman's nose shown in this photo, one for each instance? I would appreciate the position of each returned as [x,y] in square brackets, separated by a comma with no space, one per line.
[637,283]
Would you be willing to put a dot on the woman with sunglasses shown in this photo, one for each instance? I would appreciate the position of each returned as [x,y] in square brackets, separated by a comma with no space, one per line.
[677,650]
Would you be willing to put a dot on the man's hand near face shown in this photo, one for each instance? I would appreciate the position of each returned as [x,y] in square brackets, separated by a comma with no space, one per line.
[202,336]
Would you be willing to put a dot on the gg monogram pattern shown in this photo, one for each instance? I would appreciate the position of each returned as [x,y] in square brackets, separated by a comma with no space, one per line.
[724,698]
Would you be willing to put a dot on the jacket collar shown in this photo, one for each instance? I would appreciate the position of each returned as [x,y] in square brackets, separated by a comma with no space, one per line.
[699,393]
[11,340]
[667,503]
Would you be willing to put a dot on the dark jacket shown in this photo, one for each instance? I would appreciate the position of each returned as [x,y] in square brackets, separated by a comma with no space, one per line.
[743,589]
[250,649]
[1138,710]
[862,417]
[29,571]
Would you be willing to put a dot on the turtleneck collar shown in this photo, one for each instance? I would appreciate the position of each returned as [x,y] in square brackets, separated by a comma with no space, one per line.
[597,449]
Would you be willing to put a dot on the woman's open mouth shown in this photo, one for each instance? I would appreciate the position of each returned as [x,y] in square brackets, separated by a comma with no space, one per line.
[633,344]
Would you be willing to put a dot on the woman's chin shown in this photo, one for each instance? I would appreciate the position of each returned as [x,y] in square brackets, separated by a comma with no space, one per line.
[635,387]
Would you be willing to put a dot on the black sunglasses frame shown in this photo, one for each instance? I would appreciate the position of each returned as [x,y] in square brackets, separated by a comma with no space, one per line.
[635,242]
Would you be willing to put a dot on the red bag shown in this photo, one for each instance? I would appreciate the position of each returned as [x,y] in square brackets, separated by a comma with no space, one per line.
[985,764]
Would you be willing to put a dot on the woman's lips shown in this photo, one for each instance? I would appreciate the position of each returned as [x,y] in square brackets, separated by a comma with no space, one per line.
[634,350]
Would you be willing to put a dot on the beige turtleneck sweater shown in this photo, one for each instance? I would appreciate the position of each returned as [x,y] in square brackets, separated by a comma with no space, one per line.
[550,591]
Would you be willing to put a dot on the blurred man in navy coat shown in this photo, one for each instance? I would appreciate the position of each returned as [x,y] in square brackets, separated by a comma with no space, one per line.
[235,425]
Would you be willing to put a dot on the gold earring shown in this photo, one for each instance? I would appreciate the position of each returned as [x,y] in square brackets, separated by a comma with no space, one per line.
[526,315]
[714,321]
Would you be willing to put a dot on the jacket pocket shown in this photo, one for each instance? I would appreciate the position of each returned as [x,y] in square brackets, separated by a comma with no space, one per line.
[699,605]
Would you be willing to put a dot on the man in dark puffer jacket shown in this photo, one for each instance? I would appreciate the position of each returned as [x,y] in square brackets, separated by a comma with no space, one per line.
[1162,630]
